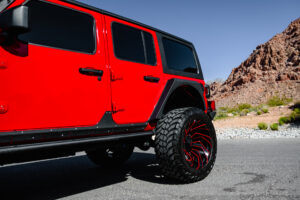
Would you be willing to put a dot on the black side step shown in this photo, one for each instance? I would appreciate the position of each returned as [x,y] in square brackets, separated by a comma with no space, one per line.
[74,144]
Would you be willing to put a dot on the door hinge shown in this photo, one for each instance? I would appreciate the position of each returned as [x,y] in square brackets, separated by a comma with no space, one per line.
[116,109]
[114,77]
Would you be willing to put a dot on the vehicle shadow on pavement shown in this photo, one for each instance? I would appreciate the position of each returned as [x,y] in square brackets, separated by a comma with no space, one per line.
[59,178]
[143,166]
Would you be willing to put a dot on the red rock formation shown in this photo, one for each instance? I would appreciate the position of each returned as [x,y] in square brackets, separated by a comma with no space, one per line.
[272,69]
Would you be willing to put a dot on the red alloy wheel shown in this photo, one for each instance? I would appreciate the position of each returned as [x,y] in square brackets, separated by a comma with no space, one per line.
[197,144]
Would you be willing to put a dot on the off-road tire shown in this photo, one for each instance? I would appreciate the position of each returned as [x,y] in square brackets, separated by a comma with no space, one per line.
[170,144]
[111,157]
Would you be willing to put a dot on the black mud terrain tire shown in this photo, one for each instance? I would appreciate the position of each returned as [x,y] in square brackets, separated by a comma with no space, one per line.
[111,157]
[186,144]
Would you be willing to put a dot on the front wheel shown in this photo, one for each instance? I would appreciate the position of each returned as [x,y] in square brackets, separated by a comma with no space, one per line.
[186,144]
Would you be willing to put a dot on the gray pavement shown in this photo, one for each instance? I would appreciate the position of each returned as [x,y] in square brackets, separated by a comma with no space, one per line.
[245,169]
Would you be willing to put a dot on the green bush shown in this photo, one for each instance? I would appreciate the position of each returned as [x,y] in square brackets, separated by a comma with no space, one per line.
[292,116]
[297,113]
[221,116]
[223,109]
[262,126]
[235,113]
[244,112]
[255,109]
[260,106]
[265,110]
[283,120]
[258,112]
[274,127]
[244,106]
[280,122]
[288,100]
[233,110]
[277,101]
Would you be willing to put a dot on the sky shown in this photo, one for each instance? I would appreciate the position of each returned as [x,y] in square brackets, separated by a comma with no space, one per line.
[224,32]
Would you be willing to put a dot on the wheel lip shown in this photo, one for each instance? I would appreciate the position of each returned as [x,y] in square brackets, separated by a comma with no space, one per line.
[190,118]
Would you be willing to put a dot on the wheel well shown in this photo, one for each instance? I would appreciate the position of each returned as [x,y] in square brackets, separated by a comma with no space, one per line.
[184,96]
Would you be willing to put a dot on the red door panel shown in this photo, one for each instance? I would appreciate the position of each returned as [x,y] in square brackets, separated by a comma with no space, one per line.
[133,98]
[45,89]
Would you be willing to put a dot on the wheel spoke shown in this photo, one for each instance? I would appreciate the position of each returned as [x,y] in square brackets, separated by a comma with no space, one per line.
[193,160]
[198,127]
[204,150]
[198,121]
[201,145]
[198,166]
[205,139]
[201,134]
[206,129]
[190,126]
[203,153]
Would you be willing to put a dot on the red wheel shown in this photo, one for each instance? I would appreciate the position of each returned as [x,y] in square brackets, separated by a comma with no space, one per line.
[197,144]
[186,144]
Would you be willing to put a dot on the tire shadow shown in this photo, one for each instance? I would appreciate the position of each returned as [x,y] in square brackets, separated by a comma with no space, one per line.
[63,177]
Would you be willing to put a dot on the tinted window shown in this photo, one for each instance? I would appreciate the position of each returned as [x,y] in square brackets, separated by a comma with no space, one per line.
[151,59]
[128,43]
[60,27]
[133,44]
[179,56]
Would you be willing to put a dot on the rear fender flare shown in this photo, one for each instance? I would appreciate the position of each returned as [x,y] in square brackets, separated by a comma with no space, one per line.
[170,87]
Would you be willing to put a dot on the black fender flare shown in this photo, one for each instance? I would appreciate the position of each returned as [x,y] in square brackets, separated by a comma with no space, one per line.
[170,87]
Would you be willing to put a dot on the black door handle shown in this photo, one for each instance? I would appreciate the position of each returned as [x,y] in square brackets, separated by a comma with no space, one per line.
[151,79]
[91,72]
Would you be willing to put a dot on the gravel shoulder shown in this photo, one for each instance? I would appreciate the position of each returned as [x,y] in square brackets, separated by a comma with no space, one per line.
[245,127]
[286,131]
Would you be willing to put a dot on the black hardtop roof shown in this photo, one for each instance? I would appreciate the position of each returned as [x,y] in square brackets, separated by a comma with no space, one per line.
[122,18]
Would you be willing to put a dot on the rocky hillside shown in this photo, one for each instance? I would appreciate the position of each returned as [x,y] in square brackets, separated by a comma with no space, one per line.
[272,69]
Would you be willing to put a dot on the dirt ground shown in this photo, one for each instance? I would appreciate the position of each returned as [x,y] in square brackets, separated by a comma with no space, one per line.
[251,120]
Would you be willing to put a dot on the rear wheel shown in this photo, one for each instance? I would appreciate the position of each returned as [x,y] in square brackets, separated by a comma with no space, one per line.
[185,144]
[111,156]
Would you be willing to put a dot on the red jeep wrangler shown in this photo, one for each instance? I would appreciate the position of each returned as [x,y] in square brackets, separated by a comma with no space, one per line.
[77,78]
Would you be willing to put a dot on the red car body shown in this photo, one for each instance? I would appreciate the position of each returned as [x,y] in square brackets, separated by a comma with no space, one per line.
[44,97]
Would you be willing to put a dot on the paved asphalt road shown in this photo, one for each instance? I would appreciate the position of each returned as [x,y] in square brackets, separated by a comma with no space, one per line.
[245,169]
